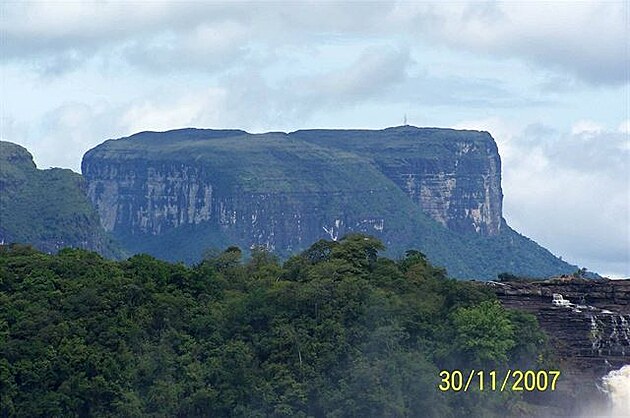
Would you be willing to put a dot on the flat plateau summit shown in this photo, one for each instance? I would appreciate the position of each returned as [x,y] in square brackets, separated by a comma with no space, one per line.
[173,194]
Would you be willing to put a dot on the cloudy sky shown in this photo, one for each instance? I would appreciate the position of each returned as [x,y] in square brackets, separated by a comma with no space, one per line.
[549,80]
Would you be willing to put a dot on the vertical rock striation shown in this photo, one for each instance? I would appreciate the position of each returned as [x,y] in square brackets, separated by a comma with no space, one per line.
[268,190]
[454,176]
[174,193]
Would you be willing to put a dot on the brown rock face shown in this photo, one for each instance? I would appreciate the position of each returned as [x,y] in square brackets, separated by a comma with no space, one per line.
[590,337]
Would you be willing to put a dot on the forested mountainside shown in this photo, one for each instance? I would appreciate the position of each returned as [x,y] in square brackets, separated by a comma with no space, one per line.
[47,208]
[174,194]
[337,330]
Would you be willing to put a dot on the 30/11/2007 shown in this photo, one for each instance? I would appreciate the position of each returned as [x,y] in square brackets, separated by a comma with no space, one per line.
[514,380]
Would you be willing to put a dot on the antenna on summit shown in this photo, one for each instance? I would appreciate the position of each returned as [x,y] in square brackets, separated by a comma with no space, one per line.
[405,120]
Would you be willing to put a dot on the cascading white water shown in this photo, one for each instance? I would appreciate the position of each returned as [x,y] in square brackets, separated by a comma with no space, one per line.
[610,337]
[617,385]
[610,333]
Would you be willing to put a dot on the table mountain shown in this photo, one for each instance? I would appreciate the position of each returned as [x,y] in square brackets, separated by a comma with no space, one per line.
[174,194]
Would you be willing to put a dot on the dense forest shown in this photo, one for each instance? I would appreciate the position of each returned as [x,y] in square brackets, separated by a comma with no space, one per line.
[334,331]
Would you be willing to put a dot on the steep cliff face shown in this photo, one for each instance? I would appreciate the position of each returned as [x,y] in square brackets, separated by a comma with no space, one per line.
[266,190]
[454,176]
[148,199]
[174,193]
[46,208]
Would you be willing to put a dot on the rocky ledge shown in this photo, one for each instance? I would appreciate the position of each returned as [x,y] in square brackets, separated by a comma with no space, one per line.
[589,328]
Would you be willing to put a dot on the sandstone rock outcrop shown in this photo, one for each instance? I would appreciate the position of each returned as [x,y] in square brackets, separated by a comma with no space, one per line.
[454,176]
[439,190]
[590,336]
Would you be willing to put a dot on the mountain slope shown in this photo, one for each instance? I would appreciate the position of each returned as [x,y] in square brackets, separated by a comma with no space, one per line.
[46,208]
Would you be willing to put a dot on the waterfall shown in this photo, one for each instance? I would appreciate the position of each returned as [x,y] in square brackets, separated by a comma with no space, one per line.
[596,334]
[610,333]
[617,385]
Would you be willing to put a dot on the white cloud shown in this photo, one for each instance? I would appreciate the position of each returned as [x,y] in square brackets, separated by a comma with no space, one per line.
[586,126]
[203,108]
[65,133]
[163,34]
[624,127]
[375,72]
[586,39]
[206,48]
[570,192]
